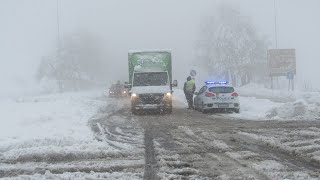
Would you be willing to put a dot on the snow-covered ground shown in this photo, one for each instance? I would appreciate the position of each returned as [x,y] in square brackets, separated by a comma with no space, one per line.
[54,127]
[50,123]
[63,118]
[279,104]
[50,116]
[36,131]
[259,103]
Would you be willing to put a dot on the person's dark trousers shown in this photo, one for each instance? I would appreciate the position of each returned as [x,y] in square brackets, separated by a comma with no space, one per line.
[189,97]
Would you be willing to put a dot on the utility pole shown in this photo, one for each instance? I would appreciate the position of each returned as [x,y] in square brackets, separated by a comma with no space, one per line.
[275,34]
[275,24]
[58,22]
[58,44]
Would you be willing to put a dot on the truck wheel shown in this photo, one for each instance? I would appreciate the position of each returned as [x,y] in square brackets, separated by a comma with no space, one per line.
[134,111]
[169,110]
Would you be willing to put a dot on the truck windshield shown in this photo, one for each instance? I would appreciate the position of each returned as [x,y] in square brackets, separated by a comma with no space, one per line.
[150,79]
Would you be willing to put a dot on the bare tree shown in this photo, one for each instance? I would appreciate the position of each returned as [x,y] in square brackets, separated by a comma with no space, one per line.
[77,62]
[230,47]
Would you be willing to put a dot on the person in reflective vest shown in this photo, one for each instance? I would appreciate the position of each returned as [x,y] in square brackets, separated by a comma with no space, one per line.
[189,88]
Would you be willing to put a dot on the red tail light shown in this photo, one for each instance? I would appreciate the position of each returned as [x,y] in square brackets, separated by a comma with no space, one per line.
[235,94]
[208,94]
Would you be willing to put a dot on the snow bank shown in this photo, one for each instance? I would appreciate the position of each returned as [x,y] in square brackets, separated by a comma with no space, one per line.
[282,105]
[259,91]
[252,108]
[48,116]
[50,126]
[297,110]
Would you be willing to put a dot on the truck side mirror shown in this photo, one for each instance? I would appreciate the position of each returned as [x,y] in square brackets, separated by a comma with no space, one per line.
[175,83]
[126,85]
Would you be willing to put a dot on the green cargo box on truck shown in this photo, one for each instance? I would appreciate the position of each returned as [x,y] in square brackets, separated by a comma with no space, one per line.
[150,80]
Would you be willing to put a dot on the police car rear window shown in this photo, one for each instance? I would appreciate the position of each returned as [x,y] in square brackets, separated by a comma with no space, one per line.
[221,89]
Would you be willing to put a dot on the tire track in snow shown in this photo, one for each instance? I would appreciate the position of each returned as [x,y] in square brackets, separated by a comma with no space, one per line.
[151,167]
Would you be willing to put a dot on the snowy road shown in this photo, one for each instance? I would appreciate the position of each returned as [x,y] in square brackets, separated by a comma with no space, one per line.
[184,145]
[189,144]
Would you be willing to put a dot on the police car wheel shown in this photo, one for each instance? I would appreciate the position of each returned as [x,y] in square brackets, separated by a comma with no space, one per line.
[166,110]
[204,111]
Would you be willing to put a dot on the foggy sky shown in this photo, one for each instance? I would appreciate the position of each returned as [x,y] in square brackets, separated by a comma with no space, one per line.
[29,31]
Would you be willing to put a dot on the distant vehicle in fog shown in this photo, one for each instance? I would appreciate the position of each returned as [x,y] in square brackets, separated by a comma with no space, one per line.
[118,90]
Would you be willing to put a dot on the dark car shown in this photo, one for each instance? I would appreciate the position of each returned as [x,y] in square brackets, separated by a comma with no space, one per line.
[118,90]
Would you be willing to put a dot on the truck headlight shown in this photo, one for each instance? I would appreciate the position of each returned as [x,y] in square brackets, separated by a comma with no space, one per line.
[133,95]
[168,94]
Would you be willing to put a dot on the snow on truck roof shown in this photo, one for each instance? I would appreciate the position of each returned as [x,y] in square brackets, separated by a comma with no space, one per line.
[150,51]
[139,68]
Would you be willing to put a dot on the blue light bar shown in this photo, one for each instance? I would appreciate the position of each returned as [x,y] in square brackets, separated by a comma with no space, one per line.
[216,82]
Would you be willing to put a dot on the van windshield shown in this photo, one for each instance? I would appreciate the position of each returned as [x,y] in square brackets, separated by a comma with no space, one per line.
[150,79]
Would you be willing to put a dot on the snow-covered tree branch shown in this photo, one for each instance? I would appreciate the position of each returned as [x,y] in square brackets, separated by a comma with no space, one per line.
[230,47]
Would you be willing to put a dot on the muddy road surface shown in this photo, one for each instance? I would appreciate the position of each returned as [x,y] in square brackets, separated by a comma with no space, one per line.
[190,145]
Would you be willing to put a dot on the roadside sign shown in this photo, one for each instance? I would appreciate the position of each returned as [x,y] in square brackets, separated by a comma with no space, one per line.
[290,75]
[282,61]
[193,73]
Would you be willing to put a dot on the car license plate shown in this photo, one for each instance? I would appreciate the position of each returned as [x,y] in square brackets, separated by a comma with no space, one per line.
[222,98]
[223,105]
[150,106]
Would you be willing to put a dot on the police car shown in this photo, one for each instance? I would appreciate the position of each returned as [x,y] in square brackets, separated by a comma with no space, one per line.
[217,95]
